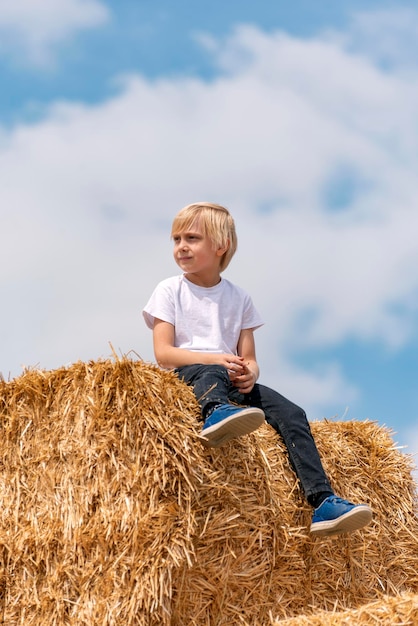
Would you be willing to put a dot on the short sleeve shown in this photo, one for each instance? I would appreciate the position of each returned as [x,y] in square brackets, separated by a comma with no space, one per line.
[160,305]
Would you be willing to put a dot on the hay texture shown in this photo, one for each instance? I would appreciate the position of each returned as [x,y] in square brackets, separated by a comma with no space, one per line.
[401,610]
[113,513]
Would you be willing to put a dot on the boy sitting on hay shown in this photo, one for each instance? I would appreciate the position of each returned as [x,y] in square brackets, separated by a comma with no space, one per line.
[203,328]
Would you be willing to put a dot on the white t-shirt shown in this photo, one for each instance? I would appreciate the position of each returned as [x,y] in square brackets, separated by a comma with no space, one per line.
[204,319]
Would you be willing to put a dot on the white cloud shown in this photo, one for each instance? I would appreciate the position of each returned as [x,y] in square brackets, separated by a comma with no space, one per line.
[87,196]
[31,29]
[387,36]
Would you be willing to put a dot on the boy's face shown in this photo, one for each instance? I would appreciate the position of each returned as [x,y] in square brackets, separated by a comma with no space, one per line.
[195,254]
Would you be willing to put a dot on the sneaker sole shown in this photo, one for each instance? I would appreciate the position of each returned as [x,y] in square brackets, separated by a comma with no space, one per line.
[347,523]
[242,423]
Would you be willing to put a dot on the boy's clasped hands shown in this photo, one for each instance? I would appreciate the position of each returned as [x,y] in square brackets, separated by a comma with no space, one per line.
[240,374]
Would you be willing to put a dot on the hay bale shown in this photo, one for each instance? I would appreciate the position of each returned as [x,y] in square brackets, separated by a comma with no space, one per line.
[114,513]
[388,611]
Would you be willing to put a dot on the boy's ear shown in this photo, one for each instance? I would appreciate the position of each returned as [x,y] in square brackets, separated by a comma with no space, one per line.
[221,251]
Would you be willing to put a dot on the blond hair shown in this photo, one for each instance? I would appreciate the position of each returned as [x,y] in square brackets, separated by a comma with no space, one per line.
[215,221]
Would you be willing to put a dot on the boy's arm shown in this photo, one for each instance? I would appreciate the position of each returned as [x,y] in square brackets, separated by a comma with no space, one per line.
[168,356]
[246,350]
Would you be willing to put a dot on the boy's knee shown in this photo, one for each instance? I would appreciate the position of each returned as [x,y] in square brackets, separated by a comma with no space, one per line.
[287,416]
[300,413]
[296,414]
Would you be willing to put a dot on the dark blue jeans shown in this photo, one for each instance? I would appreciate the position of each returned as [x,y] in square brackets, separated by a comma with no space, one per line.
[211,385]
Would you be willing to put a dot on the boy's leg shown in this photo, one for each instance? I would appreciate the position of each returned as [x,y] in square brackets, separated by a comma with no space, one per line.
[290,422]
[210,384]
[223,421]
[332,515]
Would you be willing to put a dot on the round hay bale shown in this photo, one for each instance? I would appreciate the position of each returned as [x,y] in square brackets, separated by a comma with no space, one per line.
[114,513]
[388,611]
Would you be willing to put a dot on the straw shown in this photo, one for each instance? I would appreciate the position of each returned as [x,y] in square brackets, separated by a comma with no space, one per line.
[114,513]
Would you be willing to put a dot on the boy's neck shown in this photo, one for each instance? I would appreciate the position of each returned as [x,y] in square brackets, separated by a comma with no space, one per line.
[204,280]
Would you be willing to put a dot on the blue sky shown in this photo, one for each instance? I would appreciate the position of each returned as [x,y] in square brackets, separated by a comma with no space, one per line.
[301,117]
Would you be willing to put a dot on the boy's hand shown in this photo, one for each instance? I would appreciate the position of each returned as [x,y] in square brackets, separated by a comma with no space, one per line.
[243,381]
[240,373]
[233,363]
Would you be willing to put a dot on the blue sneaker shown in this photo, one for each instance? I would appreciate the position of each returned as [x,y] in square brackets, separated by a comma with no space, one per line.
[335,516]
[228,422]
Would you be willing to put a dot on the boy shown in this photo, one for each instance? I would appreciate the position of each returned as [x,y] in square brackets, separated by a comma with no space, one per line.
[203,328]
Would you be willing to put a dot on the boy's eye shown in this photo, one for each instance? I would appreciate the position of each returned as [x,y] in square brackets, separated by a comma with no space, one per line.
[177,238]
